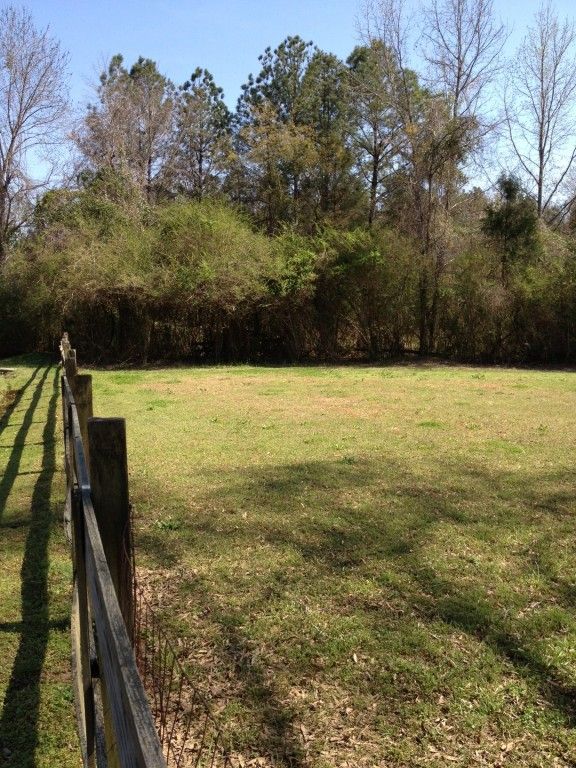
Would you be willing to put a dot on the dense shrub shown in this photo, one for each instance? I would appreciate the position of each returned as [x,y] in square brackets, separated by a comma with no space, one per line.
[194,281]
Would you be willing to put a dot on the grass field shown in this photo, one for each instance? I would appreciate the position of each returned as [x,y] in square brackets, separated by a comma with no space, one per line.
[365,566]
[37,722]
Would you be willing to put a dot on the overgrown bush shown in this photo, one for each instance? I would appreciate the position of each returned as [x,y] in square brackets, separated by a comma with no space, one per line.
[195,281]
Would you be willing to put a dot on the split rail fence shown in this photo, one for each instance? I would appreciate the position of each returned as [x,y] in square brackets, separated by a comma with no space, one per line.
[116,725]
[136,705]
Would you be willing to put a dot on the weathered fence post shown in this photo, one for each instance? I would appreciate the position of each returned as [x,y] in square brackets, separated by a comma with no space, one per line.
[65,345]
[109,489]
[83,400]
[109,483]
[71,367]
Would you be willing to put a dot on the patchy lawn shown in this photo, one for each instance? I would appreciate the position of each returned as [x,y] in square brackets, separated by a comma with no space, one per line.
[365,566]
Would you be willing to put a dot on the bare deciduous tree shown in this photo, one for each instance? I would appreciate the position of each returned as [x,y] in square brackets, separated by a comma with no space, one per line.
[33,101]
[462,46]
[539,106]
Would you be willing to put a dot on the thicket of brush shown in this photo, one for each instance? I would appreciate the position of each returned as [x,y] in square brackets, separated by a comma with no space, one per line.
[185,280]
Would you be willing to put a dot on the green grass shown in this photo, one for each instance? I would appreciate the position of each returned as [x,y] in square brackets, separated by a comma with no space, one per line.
[37,723]
[365,566]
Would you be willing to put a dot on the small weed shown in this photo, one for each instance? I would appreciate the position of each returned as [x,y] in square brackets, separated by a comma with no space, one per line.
[157,403]
[168,524]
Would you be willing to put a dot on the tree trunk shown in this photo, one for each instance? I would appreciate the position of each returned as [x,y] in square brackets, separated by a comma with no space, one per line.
[423,347]
[373,184]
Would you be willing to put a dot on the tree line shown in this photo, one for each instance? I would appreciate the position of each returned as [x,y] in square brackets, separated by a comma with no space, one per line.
[335,213]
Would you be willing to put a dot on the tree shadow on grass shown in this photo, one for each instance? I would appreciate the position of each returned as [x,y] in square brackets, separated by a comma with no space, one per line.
[19,720]
[276,731]
[389,533]
[338,546]
[273,728]
[471,614]
[346,540]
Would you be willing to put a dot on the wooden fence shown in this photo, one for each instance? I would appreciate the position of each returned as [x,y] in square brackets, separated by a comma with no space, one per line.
[116,725]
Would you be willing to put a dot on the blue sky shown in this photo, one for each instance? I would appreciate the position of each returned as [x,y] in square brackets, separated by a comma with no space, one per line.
[225,36]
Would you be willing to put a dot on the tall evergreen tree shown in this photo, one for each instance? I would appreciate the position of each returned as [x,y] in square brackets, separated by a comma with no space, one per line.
[375,126]
[203,129]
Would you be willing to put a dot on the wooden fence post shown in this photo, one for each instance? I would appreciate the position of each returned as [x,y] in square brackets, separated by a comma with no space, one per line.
[83,400]
[108,470]
[65,345]
[109,483]
[71,367]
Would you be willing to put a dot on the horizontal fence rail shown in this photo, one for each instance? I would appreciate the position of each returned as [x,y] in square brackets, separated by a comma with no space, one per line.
[116,724]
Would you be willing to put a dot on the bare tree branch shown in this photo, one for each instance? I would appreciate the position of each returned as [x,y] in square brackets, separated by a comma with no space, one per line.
[33,103]
[539,113]
[462,44]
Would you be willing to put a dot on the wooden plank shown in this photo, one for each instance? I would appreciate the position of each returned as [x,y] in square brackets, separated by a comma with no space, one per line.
[83,401]
[137,742]
[63,388]
[76,443]
[81,635]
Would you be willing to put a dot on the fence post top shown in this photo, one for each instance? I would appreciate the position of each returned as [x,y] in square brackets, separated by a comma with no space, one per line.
[107,419]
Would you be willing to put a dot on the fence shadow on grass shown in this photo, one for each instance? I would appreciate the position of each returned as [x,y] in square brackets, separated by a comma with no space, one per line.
[14,398]
[19,719]
[12,468]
